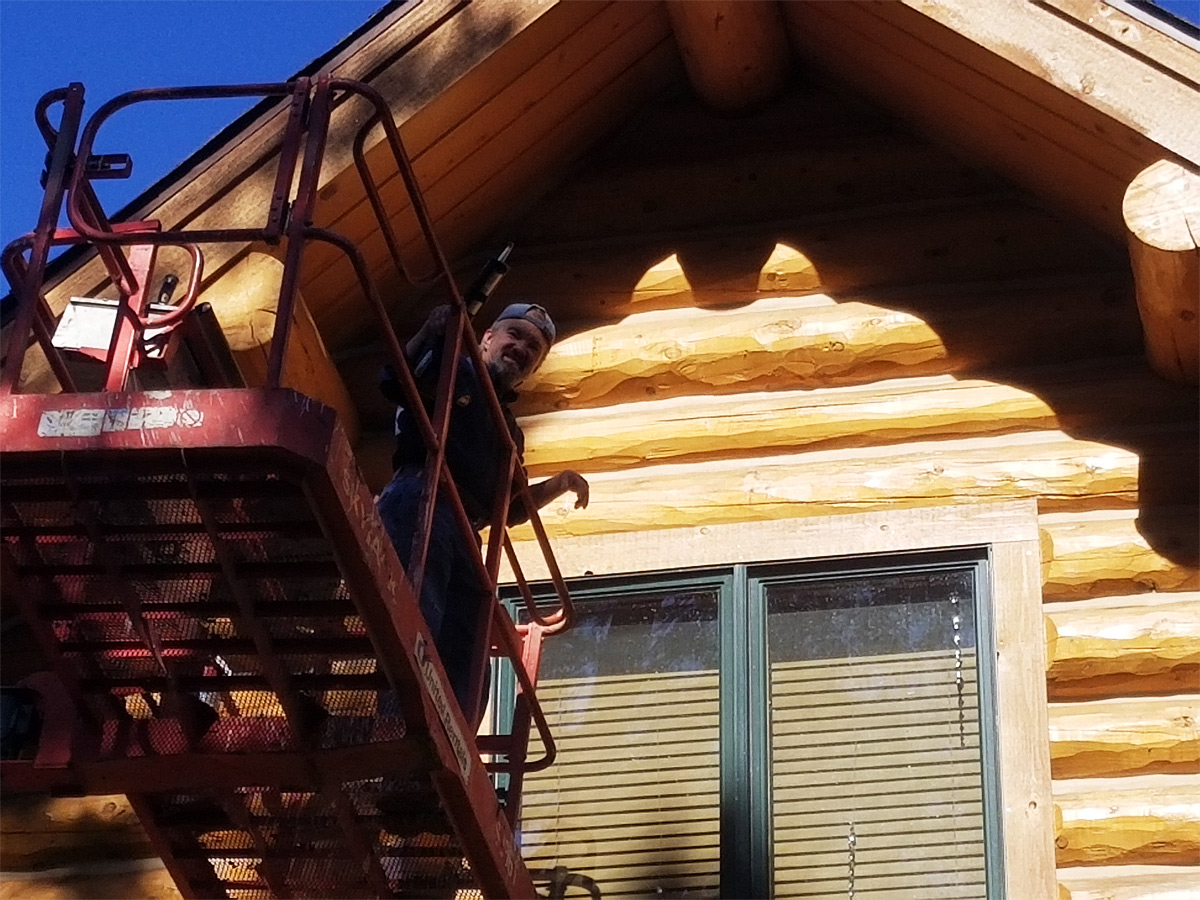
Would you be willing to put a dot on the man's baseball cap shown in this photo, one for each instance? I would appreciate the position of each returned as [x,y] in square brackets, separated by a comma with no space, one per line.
[532,313]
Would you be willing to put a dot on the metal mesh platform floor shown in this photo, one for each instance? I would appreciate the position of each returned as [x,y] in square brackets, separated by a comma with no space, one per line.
[241,654]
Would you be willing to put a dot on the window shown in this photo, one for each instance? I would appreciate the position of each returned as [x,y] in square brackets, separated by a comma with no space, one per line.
[808,729]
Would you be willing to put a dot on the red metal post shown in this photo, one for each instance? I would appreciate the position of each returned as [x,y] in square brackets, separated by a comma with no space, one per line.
[127,333]
[56,181]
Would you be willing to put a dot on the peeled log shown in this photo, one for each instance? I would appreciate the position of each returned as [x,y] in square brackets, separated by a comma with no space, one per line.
[1147,820]
[828,482]
[1162,212]
[783,341]
[698,428]
[1123,646]
[818,341]
[45,832]
[751,424]
[244,300]
[1103,553]
[1102,738]
[1128,882]
[735,51]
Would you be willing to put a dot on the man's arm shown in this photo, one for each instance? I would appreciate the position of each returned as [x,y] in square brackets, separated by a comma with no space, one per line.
[552,488]
[433,329]
[425,342]
[546,491]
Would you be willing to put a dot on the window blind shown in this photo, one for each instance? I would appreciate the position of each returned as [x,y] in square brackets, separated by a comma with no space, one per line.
[632,801]
[876,777]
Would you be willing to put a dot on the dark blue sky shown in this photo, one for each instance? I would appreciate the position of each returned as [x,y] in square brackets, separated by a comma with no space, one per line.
[113,46]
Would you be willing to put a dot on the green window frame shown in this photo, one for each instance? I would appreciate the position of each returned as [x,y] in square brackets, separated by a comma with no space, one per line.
[745,763]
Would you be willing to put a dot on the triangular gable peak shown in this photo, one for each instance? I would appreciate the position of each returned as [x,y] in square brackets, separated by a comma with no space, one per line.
[1072,100]
[1088,108]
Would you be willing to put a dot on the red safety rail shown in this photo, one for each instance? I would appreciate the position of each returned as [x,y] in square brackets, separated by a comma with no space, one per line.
[234,643]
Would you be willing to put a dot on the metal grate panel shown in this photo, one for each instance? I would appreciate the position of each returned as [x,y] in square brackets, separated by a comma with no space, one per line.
[210,628]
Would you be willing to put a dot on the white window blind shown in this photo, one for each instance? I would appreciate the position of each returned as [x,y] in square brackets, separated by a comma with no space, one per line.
[775,729]
[632,697]
[876,768]
[876,778]
[633,800]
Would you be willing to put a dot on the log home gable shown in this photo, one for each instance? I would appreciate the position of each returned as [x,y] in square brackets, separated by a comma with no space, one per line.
[899,280]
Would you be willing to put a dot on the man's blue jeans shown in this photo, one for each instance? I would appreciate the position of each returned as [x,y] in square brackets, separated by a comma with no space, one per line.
[452,593]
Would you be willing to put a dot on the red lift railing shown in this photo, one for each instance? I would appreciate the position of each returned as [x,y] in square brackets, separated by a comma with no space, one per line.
[159,655]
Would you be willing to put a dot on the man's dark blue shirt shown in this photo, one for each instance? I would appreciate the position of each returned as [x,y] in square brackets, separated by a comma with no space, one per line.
[476,452]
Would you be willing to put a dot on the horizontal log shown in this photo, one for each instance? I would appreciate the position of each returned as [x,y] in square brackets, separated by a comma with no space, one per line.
[40,832]
[706,427]
[118,880]
[1102,738]
[1106,552]
[692,428]
[1128,882]
[1144,820]
[804,343]
[1049,466]
[817,341]
[780,343]
[761,178]
[885,412]
[932,242]
[979,98]
[1123,646]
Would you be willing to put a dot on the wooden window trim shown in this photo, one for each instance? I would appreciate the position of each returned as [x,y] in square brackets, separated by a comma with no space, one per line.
[1009,529]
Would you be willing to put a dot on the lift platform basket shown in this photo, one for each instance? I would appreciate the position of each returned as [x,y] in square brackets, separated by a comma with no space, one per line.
[237,648]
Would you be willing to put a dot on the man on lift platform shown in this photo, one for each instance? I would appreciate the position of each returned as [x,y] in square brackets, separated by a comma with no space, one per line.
[451,594]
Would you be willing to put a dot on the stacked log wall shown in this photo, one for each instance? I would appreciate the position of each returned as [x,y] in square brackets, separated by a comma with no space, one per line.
[810,311]
[776,332]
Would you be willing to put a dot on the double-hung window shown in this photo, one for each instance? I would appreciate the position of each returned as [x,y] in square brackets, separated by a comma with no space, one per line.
[861,717]
[790,730]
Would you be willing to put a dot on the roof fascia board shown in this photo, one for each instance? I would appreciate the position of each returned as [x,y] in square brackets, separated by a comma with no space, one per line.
[421,47]
[1127,27]
[1159,19]
[254,128]
[1160,105]
[363,44]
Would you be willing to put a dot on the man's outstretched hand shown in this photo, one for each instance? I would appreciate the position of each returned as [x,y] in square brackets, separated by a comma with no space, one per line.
[554,487]
[577,484]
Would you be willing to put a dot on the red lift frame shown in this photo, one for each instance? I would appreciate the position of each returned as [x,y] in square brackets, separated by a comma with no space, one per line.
[263,428]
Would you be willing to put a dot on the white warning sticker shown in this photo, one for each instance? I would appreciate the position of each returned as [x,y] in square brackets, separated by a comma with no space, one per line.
[91,422]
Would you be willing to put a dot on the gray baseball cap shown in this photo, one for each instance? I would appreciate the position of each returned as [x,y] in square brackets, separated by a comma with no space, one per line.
[532,313]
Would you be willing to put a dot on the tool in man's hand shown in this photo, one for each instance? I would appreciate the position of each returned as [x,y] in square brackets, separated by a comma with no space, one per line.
[477,295]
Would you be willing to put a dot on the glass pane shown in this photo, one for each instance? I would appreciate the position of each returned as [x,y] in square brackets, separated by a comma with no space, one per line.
[631,694]
[877,777]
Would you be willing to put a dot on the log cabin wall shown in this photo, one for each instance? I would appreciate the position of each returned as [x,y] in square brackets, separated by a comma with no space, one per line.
[812,311]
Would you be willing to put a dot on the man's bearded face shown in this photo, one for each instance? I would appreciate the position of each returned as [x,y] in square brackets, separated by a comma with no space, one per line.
[512,351]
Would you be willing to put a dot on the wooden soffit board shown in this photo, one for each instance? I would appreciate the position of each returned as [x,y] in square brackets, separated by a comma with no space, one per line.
[411,56]
[1065,97]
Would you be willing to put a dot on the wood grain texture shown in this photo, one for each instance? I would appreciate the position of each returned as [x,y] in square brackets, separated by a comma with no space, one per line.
[118,880]
[44,832]
[1128,882]
[1048,466]
[1123,646]
[1162,212]
[1120,737]
[735,53]
[1142,820]
[1105,553]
